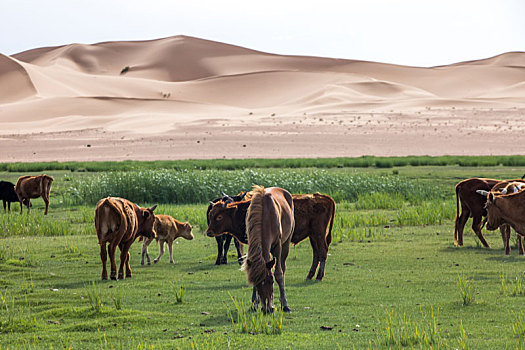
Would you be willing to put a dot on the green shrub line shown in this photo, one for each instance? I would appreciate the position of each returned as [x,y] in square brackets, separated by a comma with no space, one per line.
[199,186]
[234,164]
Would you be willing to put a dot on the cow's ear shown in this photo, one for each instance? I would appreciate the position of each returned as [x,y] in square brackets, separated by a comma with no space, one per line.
[491,197]
[270,264]
[146,214]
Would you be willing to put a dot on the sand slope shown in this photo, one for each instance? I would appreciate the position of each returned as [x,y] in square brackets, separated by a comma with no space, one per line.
[190,89]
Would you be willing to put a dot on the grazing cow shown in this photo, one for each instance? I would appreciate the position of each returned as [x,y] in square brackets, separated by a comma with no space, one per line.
[168,229]
[269,226]
[223,241]
[506,187]
[118,222]
[313,215]
[28,187]
[8,194]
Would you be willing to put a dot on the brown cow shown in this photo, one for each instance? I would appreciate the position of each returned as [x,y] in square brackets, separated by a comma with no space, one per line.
[506,209]
[118,222]
[28,187]
[507,187]
[313,215]
[168,229]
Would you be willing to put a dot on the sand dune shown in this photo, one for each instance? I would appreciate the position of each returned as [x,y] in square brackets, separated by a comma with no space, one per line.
[189,89]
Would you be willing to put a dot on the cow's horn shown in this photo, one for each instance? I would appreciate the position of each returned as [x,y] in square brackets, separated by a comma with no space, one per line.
[482,192]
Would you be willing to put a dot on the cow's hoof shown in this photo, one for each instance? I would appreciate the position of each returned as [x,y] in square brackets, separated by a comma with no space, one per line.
[155,261]
[217,262]
[128,275]
[142,263]
[319,279]
[114,277]
[104,278]
[240,261]
[286,309]
[224,261]
[120,276]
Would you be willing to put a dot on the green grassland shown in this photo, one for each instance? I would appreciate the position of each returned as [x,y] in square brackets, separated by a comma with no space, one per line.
[393,277]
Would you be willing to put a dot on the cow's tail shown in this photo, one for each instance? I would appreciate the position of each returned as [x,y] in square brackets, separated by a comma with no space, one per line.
[458,186]
[332,218]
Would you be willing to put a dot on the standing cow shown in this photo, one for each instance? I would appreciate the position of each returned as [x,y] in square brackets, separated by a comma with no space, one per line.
[314,218]
[8,194]
[224,241]
[28,187]
[118,222]
[167,229]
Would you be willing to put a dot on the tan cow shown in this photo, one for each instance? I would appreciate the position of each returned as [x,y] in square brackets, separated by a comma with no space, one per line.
[118,222]
[168,229]
[28,187]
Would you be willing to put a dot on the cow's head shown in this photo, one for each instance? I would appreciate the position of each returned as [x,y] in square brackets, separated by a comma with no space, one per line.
[146,222]
[265,288]
[220,219]
[185,231]
[494,215]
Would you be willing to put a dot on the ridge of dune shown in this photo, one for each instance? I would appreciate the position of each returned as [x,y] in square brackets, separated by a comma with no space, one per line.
[211,95]
[15,83]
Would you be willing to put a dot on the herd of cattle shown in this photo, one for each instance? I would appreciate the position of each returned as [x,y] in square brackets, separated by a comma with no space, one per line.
[119,222]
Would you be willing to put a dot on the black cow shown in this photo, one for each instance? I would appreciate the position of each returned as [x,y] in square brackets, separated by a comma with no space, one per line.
[7,194]
[224,241]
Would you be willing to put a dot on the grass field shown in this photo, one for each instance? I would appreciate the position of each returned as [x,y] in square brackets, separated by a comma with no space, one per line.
[393,278]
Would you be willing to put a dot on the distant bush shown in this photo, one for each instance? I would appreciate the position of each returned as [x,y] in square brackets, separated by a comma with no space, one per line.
[199,186]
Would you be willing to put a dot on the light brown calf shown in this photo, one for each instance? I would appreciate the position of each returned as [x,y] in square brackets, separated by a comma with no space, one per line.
[168,229]
[28,187]
[118,222]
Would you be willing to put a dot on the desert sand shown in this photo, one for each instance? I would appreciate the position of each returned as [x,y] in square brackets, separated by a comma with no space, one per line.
[188,98]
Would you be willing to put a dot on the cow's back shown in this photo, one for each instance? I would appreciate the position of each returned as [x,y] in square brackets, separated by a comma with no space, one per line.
[311,211]
[114,218]
[164,225]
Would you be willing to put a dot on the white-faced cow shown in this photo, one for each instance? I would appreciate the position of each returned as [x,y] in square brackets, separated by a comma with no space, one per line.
[502,188]
[28,187]
[118,222]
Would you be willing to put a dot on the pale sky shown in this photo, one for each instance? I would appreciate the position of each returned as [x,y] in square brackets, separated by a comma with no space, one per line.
[408,32]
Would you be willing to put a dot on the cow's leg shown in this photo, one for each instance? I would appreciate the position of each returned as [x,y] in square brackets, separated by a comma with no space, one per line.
[323,254]
[124,260]
[219,240]
[520,243]
[476,226]
[145,245]
[46,201]
[280,269]
[240,251]
[112,249]
[21,204]
[8,206]
[227,242]
[128,265]
[170,247]
[4,202]
[161,250]
[255,299]
[28,205]
[315,261]
[104,258]
[505,235]
[461,220]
